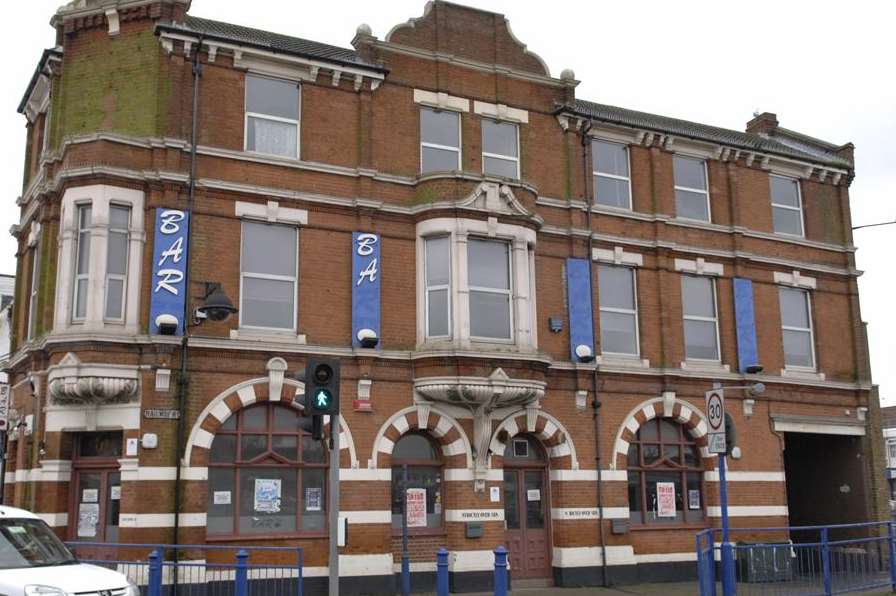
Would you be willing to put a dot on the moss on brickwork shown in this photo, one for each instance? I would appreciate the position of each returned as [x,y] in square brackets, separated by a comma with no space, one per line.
[112,84]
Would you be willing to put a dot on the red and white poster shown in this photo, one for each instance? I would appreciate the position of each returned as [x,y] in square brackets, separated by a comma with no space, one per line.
[416,507]
[665,499]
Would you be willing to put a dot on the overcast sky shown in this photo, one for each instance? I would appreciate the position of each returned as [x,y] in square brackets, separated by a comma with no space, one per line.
[825,68]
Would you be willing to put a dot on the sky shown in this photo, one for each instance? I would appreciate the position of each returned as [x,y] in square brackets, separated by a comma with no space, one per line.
[825,68]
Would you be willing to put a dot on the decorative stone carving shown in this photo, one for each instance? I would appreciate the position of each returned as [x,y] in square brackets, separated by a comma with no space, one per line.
[482,395]
[494,198]
[72,382]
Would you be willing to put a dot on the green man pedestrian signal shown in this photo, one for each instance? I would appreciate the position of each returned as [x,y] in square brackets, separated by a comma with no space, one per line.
[322,386]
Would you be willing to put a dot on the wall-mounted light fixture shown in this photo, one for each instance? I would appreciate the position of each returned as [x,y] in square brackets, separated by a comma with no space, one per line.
[216,306]
[584,353]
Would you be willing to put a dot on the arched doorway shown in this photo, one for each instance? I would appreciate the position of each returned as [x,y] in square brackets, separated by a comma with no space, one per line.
[527,508]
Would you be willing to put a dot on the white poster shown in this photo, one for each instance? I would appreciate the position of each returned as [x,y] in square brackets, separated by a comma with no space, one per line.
[90,495]
[693,499]
[88,519]
[221,497]
[533,494]
[495,494]
[665,499]
[313,498]
[115,493]
[267,495]
[416,507]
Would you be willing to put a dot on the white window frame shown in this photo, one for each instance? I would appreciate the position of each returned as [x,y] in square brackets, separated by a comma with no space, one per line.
[522,240]
[714,320]
[32,298]
[633,273]
[428,288]
[100,197]
[508,292]
[79,277]
[123,278]
[247,114]
[799,208]
[597,173]
[704,192]
[516,159]
[810,329]
[891,452]
[294,279]
[436,145]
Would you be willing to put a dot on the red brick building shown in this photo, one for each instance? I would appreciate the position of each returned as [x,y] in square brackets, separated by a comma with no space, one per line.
[550,286]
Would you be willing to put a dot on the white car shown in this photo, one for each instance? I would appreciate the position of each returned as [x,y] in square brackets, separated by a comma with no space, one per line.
[35,562]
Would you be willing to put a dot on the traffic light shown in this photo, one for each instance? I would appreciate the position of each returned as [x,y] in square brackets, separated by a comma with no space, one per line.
[730,434]
[313,424]
[322,386]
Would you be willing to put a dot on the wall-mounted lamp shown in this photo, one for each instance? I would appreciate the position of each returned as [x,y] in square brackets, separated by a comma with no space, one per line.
[368,338]
[216,306]
[584,353]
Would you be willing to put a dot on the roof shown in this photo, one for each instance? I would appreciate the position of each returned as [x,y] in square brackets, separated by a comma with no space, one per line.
[15,513]
[798,147]
[34,77]
[274,42]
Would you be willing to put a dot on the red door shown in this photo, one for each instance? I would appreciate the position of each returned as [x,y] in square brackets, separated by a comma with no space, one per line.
[526,513]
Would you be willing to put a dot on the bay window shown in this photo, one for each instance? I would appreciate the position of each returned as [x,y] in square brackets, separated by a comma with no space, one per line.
[117,261]
[272,116]
[82,264]
[438,286]
[701,323]
[488,264]
[796,328]
[268,276]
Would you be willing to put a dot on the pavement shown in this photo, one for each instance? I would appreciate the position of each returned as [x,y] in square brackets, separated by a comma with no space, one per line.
[665,589]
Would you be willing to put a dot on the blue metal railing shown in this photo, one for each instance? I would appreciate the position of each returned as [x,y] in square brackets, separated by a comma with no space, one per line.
[201,570]
[802,560]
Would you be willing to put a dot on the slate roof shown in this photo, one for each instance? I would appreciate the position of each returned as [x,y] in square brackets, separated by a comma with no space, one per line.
[274,42]
[797,147]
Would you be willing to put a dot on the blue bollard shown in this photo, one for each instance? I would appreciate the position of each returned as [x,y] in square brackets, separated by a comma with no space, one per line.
[155,574]
[442,572]
[500,571]
[241,577]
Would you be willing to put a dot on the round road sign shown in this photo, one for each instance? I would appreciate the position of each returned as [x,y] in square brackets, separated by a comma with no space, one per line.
[715,412]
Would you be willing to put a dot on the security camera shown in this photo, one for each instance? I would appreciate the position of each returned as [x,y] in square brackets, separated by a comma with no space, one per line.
[584,353]
[167,324]
[368,338]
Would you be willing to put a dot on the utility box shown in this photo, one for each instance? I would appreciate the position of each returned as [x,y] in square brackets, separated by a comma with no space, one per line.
[474,530]
[764,562]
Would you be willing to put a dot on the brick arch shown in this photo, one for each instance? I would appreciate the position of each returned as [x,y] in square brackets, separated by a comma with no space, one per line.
[444,429]
[666,406]
[556,439]
[242,395]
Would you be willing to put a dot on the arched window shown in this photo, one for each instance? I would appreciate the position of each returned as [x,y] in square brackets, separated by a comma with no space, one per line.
[424,482]
[265,476]
[665,475]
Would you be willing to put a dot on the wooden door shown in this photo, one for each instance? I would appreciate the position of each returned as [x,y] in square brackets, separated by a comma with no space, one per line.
[527,520]
[96,494]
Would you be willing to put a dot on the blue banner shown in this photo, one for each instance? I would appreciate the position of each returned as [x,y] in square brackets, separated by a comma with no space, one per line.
[578,294]
[744,316]
[365,285]
[169,267]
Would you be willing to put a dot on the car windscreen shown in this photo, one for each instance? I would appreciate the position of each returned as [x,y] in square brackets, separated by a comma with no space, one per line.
[31,543]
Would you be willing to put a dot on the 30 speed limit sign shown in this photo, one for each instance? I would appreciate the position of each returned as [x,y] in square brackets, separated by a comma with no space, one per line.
[715,416]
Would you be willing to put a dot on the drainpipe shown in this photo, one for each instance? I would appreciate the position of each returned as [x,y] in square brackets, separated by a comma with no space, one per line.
[595,402]
[187,315]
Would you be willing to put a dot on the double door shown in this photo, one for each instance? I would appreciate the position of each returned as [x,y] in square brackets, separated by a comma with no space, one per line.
[526,519]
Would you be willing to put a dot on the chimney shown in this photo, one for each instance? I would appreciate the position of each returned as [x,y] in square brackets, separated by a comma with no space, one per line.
[764,124]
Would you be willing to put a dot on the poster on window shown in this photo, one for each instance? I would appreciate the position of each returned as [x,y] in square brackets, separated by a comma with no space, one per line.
[115,493]
[88,519]
[416,507]
[267,495]
[693,499]
[222,497]
[313,498]
[665,499]
[90,495]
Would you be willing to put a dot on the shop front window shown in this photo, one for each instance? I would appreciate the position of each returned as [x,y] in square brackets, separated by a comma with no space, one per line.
[665,475]
[266,476]
[424,483]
